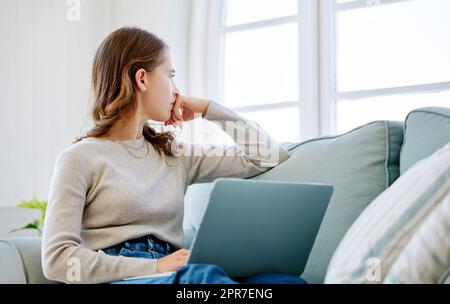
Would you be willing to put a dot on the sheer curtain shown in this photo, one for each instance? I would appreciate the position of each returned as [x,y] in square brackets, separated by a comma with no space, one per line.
[202,72]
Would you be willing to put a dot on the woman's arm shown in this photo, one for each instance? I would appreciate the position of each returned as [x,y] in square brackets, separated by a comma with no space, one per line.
[255,151]
[64,258]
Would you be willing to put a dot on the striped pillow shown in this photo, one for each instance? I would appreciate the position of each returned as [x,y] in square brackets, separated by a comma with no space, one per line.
[377,238]
[428,252]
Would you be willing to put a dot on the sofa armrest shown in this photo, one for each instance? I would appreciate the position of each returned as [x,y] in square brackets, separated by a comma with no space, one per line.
[21,261]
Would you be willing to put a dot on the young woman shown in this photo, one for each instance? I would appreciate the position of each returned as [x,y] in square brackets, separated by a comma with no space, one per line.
[115,208]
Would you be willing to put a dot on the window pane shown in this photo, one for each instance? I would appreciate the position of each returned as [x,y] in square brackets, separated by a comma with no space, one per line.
[354,113]
[261,66]
[281,124]
[245,11]
[399,44]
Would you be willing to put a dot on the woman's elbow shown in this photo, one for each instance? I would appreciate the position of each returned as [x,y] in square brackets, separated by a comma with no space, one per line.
[49,271]
[54,265]
[50,268]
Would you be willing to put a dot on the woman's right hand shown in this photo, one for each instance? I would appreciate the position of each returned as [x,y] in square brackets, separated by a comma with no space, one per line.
[173,261]
[185,109]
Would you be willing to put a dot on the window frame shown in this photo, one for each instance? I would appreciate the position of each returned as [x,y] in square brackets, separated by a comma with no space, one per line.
[307,21]
[318,95]
[329,93]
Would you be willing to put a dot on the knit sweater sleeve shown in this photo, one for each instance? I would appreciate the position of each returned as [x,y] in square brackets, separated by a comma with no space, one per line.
[254,151]
[64,258]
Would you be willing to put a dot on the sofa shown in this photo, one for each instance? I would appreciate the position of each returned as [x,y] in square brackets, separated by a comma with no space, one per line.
[360,165]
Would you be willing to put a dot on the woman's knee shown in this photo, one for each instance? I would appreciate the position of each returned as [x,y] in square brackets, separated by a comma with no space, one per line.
[273,278]
[194,273]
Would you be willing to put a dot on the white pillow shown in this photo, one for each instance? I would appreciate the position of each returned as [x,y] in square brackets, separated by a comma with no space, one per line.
[376,239]
[426,258]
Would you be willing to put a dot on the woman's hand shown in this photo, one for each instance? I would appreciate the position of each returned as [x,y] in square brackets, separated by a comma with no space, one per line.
[173,261]
[186,108]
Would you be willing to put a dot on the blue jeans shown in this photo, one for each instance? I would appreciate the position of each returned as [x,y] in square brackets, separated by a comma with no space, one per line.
[149,247]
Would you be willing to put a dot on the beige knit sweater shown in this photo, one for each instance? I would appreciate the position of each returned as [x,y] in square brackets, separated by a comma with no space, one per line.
[105,192]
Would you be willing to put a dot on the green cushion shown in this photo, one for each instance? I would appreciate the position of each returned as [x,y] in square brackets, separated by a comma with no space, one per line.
[426,131]
[359,164]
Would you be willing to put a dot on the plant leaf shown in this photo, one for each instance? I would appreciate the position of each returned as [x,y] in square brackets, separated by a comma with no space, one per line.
[40,205]
[34,204]
[33,225]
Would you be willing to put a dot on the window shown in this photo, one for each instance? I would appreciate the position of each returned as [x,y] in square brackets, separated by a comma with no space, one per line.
[389,59]
[305,68]
[261,64]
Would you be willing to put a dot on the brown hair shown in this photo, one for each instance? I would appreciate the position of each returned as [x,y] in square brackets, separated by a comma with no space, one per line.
[118,58]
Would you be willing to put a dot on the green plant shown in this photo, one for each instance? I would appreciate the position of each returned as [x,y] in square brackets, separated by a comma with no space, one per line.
[38,223]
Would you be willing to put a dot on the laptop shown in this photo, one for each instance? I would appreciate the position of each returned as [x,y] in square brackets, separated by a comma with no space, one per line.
[259,226]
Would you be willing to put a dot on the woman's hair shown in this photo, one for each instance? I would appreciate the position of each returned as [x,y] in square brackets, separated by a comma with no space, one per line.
[118,58]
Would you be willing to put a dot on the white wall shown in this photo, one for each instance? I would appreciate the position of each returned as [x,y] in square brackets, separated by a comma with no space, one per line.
[45,66]
[169,19]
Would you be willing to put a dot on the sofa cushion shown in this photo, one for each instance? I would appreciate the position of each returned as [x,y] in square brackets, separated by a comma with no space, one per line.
[381,233]
[359,164]
[426,131]
[426,257]
[196,201]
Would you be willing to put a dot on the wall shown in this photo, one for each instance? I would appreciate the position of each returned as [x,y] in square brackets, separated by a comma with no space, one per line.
[169,19]
[45,64]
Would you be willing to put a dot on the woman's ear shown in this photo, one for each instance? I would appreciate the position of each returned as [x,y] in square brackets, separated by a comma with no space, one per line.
[140,78]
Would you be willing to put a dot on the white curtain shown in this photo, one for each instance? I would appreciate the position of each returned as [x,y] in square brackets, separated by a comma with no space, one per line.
[203,72]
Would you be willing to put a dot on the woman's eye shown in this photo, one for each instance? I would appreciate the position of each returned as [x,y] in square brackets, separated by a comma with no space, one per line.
[172,76]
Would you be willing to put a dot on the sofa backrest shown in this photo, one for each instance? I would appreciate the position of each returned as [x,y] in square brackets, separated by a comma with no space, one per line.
[426,131]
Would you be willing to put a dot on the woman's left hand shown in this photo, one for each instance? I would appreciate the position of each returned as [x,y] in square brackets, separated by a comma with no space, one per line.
[187,108]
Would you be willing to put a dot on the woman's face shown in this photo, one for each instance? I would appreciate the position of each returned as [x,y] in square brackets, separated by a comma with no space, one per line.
[160,96]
